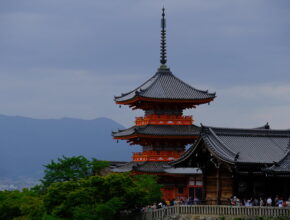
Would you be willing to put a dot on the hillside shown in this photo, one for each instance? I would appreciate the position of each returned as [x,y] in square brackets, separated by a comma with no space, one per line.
[26,144]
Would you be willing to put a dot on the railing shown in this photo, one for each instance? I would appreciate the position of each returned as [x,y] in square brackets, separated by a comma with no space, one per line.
[164,120]
[215,210]
[156,156]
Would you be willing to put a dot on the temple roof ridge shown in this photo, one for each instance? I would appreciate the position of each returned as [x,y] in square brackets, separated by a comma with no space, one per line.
[159,130]
[165,85]
[259,131]
[283,166]
[243,146]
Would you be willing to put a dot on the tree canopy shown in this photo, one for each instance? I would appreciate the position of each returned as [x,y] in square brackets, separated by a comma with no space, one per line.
[70,169]
[75,190]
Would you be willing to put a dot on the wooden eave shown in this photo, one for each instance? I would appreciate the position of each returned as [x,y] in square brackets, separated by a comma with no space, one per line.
[141,98]
[156,136]
[135,172]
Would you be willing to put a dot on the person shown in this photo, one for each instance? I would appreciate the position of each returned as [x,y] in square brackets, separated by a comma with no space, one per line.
[238,202]
[248,202]
[276,200]
[280,203]
[269,201]
[233,200]
[196,201]
[149,208]
[190,201]
[261,201]
[288,202]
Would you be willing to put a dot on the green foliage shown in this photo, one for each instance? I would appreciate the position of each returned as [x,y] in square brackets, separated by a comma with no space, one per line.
[15,204]
[98,165]
[70,169]
[273,218]
[50,217]
[100,196]
[71,190]
[101,211]
[150,188]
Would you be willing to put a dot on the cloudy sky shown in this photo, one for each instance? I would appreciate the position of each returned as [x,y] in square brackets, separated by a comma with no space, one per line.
[68,58]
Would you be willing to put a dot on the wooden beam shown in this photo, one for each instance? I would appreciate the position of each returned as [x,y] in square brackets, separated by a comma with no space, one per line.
[204,183]
[218,184]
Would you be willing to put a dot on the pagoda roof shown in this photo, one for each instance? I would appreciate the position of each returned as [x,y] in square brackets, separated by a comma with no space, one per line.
[164,86]
[147,167]
[242,146]
[152,167]
[156,167]
[159,130]
[127,167]
[282,167]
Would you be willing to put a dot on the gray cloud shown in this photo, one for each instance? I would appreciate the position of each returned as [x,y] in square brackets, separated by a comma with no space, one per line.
[69,58]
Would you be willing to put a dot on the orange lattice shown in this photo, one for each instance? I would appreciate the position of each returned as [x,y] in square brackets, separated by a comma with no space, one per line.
[157,156]
[164,120]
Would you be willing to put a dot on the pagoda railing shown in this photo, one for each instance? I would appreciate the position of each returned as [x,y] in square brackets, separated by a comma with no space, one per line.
[213,211]
[164,120]
[157,155]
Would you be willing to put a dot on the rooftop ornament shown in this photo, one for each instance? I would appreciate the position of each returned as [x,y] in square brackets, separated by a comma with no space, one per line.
[163,59]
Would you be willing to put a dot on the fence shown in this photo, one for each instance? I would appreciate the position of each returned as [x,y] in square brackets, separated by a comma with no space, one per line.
[213,210]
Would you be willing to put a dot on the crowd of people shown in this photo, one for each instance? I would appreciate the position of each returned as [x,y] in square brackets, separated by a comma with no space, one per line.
[234,201]
[269,201]
[173,202]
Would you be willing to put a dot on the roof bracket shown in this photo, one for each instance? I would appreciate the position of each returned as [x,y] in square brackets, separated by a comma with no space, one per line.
[216,163]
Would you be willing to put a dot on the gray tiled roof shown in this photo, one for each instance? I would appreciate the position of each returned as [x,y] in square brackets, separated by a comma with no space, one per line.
[160,130]
[125,167]
[147,167]
[152,167]
[250,145]
[183,170]
[254,146]
[164,85]
[283,166]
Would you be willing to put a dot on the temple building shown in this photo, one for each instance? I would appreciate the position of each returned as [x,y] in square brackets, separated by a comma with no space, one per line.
[247,163]
[221,162]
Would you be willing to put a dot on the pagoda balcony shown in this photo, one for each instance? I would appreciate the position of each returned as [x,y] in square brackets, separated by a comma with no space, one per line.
[156,156]
[164,120]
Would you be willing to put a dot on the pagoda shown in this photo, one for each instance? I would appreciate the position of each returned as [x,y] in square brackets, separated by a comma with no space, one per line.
[163,131]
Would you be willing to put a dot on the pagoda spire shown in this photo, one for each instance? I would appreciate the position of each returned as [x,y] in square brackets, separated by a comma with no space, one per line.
[163,59]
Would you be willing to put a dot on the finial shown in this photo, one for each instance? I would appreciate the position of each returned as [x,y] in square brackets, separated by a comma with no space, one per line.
[163,39]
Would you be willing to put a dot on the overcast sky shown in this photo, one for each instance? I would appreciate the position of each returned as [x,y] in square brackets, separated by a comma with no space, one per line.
[68,58]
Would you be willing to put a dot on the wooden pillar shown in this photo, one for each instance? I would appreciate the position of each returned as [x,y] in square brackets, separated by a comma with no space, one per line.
[235,184]
[251,184]
[204,186]
[218,184]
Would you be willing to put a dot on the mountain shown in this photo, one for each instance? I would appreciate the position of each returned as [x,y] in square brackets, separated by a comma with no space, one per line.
[27,144]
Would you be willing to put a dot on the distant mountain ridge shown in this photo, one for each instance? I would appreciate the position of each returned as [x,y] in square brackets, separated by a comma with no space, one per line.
[26,144]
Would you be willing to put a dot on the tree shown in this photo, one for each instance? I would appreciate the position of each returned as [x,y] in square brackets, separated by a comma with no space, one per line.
[100,197]
[15,204]
[73,191]
[70,169]
[150,188]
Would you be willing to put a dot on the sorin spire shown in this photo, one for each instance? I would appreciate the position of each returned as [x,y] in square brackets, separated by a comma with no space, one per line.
[163,39]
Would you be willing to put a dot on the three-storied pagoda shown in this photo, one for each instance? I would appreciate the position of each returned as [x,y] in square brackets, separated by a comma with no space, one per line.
[164,131]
